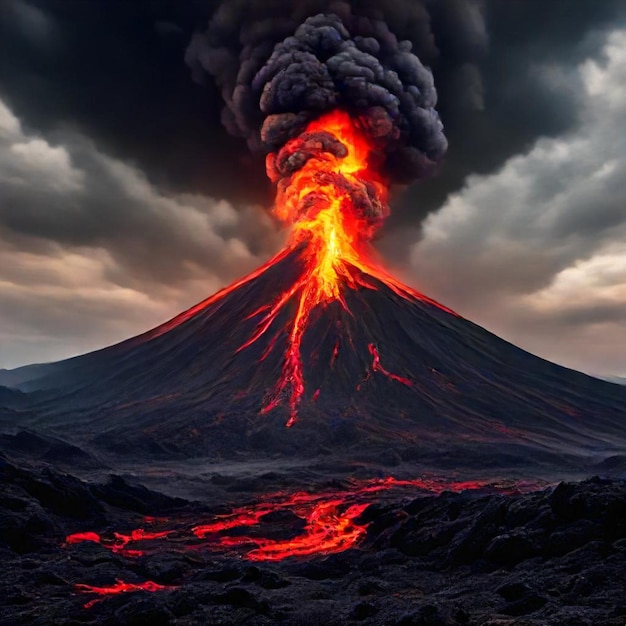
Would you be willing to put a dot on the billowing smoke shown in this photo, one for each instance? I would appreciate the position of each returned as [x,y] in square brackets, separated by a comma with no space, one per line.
[280,64]
[335,59]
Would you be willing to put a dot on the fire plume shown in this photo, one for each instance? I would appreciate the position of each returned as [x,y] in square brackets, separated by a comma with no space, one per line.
[332,195]
[334,203]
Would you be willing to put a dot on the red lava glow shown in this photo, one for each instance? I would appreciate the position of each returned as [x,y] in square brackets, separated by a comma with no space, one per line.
[119,587]
[318,202]
[311,524]
[377,367]
[323,203]
[328,522]
[118,543]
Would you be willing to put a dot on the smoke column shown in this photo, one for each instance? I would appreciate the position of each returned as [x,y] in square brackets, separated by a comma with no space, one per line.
[280,65]
[342,109]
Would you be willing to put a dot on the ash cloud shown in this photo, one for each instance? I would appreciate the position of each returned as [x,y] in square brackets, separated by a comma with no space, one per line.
[116,72]
[279,65]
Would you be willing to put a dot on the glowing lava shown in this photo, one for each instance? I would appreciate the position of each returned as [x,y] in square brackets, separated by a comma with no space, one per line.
[118,587]
[328,523]
[334,205]
[118,543]
[334,199]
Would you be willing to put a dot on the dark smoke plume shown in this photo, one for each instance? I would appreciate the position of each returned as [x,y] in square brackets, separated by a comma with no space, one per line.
[281,64]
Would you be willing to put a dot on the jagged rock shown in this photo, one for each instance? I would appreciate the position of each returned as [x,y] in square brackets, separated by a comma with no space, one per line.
[556,556]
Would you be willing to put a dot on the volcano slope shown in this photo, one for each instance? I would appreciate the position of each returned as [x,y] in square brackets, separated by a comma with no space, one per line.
[238,518]
[382,369]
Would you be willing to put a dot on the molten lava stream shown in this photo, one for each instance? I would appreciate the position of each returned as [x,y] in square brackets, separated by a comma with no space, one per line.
[329,526]
[327,531]
[329,520]
[120,541]
[119,587]
[334,205]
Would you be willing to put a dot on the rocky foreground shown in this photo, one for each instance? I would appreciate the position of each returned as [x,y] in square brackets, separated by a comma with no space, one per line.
[550,557]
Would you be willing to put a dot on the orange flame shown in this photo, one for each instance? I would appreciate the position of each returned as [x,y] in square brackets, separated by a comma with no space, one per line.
[332,235]
[317,202]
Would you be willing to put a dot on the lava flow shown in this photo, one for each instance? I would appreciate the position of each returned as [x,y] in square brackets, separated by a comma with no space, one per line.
[118,587]
[326,522]
[280,525]
[334,202]
[331,194]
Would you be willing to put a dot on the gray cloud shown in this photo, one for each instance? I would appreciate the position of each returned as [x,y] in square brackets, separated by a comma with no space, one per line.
[91,248]
[536,250]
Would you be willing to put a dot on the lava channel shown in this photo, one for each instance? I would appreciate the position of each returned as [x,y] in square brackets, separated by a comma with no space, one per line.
[307,524]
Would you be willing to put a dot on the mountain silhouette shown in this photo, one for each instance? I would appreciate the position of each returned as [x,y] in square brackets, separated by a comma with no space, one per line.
[383,372]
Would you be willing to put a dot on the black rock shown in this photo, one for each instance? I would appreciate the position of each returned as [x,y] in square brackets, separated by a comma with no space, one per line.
[530,603]
[511,548]
[363,610]
[514,591]
[240,597]
[118,492]
[143,612]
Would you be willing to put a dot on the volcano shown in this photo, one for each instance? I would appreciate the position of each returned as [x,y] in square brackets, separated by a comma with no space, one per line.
[322,350]
[268,417]
[381,367]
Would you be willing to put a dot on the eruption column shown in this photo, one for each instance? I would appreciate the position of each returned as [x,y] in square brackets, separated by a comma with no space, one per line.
[344,109]
[334,202]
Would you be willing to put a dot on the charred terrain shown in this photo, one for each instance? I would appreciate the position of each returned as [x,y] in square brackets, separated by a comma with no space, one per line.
[110,551]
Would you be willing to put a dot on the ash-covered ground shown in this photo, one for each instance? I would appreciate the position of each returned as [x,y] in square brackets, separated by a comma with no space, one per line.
[493,551]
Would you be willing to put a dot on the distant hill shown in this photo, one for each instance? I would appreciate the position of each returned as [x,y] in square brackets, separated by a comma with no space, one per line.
[19,375]
[615,379]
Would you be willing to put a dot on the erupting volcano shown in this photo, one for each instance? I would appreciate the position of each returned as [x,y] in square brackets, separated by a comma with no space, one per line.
[317,420]
[334,203]
[322,335]
[322,338]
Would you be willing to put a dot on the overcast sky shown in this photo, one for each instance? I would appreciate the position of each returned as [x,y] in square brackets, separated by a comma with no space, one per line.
[122,200]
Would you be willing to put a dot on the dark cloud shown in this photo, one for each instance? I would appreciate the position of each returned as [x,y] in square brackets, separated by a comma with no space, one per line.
[521,99]
[536,250]
[122,192]
[84,198]
[116,71]
[91,252]
[117,74]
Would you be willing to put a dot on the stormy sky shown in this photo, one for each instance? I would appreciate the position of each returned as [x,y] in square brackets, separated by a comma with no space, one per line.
[123,200]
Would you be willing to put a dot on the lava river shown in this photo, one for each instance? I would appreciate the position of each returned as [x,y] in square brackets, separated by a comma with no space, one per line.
[278,526]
